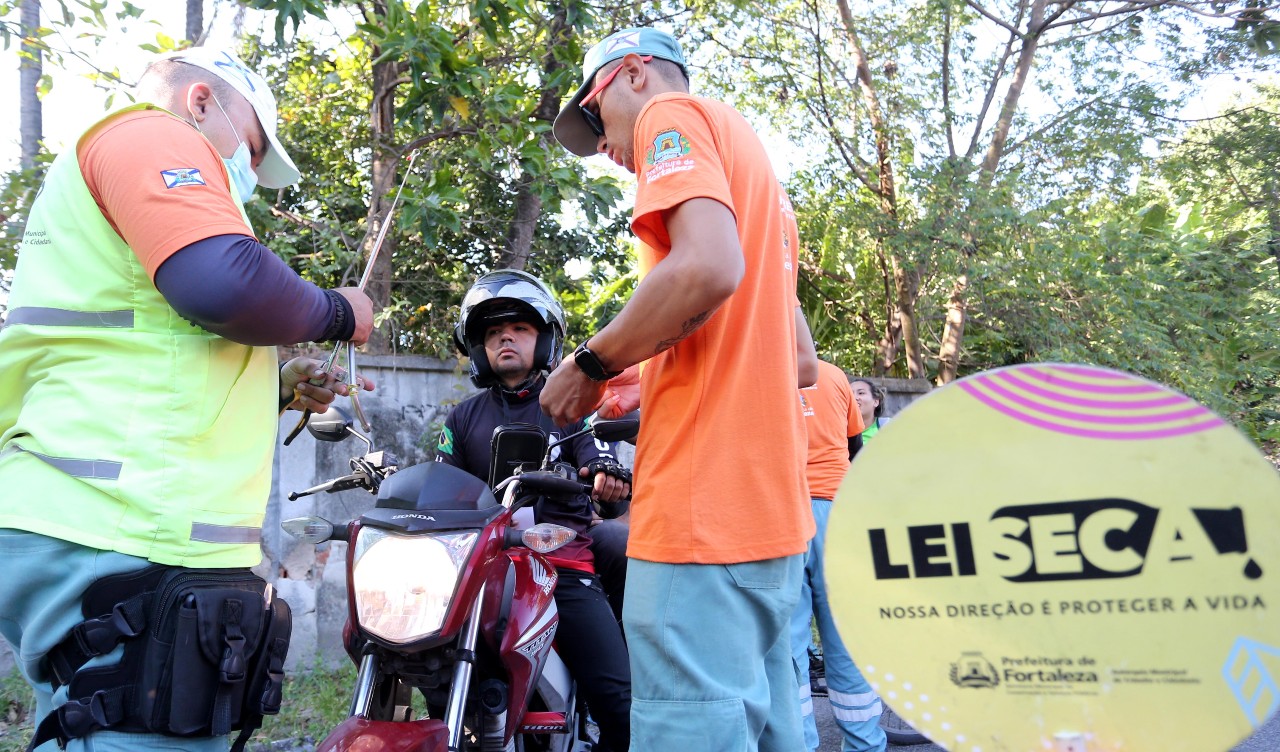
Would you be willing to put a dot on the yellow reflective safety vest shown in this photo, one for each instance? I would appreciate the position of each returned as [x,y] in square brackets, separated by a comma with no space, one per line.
[123,426]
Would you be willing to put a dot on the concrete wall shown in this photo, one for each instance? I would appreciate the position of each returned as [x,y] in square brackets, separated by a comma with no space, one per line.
[413,396]
[899,392]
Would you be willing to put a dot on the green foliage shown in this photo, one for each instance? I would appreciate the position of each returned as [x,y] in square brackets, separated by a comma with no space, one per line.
[289,12]
[1110,233]
[16,709]
[1062,262]
[74,29]
[316,701]
[17,190]
[470,88]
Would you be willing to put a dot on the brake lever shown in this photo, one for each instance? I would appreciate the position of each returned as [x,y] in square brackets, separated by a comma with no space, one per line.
[345,483]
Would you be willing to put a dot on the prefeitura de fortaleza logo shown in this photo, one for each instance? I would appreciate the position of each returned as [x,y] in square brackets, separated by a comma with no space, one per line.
[974,671]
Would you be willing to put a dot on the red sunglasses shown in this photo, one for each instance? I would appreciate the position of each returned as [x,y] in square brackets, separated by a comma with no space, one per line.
[593,120]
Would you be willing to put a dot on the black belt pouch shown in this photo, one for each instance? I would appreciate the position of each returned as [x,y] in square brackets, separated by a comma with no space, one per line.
[204,654]
[224,638]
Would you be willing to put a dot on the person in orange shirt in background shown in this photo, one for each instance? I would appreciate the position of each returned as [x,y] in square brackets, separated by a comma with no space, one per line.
[834,428]
[719,517]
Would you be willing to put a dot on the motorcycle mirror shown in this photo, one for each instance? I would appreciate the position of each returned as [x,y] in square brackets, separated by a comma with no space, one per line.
[310,529]
[333,424]
[618,429]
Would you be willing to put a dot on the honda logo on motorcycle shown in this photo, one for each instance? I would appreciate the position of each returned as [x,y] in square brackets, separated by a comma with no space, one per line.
[541,577]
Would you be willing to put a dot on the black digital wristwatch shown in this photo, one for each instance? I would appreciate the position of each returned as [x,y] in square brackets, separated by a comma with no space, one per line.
[590,365]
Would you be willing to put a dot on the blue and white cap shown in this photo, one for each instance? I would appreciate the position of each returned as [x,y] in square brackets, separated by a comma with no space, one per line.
[277,169]
[570,128]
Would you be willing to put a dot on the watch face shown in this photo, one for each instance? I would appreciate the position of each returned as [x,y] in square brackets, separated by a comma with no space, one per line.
[590,365]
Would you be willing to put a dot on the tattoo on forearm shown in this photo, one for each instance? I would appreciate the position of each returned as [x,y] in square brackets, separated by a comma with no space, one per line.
[689,327]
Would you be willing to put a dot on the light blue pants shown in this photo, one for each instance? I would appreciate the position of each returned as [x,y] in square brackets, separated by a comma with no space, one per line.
[711,666]
[40,595]
[853,703]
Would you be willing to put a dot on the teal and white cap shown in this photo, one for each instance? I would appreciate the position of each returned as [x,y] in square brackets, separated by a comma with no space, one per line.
[277,169]
[570,128]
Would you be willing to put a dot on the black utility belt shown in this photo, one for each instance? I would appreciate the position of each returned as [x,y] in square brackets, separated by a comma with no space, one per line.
[204,653]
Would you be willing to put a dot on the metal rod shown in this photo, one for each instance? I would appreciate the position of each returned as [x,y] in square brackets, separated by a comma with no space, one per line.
[386,223]
[462,675]
[353,388]
[364,685]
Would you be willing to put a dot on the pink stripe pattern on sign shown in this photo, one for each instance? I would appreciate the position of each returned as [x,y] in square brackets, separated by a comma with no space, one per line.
[1091,403]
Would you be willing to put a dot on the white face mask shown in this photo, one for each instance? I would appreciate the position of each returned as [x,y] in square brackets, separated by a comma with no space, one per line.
[240,163]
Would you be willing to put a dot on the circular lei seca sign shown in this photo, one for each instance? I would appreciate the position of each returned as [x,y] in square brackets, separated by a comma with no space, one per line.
[1058,557]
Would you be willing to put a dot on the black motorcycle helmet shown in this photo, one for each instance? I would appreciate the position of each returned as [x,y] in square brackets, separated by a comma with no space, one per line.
[505,295]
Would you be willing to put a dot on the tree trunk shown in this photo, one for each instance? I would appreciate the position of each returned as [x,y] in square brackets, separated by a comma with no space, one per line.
[383,178]
[953,333]
[1021,72]
[901,332]
[195,21]
[887,347]
[29,72]
[957,308]
[906,282]
[528,203]
[520,232]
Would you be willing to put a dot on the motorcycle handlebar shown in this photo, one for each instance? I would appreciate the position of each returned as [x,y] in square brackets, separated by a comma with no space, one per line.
[551,483]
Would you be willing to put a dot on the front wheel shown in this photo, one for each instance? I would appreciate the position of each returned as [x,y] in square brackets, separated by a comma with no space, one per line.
[898,730]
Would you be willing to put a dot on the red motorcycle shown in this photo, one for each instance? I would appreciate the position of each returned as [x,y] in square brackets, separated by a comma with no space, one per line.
[448,596]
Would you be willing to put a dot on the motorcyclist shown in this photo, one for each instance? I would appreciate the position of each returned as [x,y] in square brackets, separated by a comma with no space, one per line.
[512,328]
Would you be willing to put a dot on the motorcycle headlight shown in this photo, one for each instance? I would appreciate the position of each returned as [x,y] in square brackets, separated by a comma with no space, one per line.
[404,583]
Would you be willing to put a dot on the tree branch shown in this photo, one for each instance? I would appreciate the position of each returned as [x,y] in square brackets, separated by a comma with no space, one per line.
[421,141]
[997,76]
[884,164]
[859,167]
[314,224]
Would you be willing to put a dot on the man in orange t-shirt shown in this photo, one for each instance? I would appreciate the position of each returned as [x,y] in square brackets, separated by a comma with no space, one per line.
[720,518]
[834,426]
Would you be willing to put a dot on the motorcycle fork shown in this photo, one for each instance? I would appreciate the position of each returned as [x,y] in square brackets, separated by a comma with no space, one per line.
[466,656]
[365,680]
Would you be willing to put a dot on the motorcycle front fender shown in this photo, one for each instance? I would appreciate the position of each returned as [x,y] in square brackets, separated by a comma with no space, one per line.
[361,734]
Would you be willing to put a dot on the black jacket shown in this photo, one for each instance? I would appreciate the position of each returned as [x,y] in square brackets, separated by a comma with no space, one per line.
[465,443]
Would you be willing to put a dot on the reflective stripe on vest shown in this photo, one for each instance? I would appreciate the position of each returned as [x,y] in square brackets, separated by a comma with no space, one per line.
[78,468]
[37,316]
[203,531]
[110,470]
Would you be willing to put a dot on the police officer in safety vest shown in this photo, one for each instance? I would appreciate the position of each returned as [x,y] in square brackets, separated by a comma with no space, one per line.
[139,400]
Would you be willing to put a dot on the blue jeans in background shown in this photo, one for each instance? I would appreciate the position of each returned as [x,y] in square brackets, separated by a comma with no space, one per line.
[853,703]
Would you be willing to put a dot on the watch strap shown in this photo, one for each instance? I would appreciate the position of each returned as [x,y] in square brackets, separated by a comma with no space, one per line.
[590,364]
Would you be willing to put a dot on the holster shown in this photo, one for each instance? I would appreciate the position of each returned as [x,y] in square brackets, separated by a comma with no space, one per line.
[204,654]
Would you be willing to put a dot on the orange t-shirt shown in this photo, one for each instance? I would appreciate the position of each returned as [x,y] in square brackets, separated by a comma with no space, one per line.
[831,416]
[160,184]
[720,460]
